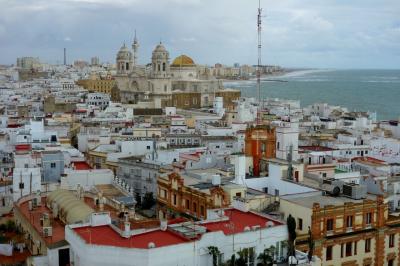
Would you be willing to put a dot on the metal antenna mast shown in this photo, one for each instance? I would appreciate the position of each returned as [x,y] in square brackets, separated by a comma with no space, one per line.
[259,62]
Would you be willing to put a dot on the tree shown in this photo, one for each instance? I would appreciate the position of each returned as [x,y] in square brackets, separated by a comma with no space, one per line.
[310,245]
[138,199]
[291,225]
[267,257]
[245,255]
[148,201]
[214,252]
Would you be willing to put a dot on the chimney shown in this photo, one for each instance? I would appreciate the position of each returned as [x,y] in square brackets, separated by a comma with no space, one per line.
[127,230]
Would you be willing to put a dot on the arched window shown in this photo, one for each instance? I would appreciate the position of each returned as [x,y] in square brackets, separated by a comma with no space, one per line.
[159,67]
[163,66]
[127,66]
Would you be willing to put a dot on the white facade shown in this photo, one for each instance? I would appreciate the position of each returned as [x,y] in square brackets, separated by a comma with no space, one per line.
[86,178]
[287,138]
[100,100]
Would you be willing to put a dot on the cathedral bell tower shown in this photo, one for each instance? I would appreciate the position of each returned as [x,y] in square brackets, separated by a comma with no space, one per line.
[124,61]
[160,62]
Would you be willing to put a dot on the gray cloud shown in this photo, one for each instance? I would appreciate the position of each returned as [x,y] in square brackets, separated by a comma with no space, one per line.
[312,33]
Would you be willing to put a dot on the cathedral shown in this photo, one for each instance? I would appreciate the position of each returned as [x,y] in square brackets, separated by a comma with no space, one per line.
[159,83]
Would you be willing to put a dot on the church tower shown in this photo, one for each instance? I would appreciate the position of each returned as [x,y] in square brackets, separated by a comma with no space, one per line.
[160,62]
[124,61]
[135,49]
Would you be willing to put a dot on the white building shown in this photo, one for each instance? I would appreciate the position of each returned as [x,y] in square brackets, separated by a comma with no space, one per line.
[231,230]
[287,139]
[97,99]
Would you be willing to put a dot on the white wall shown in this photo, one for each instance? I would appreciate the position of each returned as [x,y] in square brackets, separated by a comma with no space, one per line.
[86,178]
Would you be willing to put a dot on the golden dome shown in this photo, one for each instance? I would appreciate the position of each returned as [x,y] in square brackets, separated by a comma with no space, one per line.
[183,61]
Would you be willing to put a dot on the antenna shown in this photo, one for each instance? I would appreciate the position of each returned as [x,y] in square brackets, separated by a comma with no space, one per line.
[259,62]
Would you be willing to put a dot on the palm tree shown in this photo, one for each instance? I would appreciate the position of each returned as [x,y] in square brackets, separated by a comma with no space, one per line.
[214,252]
[267,257]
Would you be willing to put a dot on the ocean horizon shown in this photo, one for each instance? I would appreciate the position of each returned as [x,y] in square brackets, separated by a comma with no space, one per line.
[374,90]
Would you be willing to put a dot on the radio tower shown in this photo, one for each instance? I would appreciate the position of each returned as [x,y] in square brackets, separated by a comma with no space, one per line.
[258,72]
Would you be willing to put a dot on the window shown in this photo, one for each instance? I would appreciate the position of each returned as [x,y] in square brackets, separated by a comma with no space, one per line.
[277,145]
[348,249]
[194,207]
[53,165]
[368,218]
[148,147]
[323,174]
[202,211]
[300,224]
[187,204]
[329,224]
[391,240]
[355,247]
[349,221]
[329,253]
[341,250]
[367,245]
[391,262]
[276,192]
[174,199]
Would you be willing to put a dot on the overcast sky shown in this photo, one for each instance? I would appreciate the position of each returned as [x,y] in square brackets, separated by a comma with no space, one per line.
[306,33]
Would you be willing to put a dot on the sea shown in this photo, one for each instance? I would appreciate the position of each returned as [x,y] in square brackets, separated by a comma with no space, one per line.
[357,90]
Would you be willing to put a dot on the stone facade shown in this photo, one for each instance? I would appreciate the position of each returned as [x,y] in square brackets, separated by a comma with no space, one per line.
[354,234]
[174,198]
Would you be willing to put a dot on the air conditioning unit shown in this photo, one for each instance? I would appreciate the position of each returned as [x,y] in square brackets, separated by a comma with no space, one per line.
[354,191]
[47,231]
[332,186]
[331,189]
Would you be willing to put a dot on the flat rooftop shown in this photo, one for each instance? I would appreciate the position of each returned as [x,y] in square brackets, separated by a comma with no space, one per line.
[34,216]
[237,222]
[309,198]
[105,235]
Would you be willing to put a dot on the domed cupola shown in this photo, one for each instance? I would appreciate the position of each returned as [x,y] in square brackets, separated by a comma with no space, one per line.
[160,62]
[124,60]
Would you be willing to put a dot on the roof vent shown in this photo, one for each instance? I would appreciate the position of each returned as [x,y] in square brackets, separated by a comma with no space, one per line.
[163,225]
[152,245]
[269,223]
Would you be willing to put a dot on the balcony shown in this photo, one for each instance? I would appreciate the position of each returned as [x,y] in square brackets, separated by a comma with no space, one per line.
[330,233]
[349,229]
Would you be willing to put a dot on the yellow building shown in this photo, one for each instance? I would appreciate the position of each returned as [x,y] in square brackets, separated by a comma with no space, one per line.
[97,85]
[345,231]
